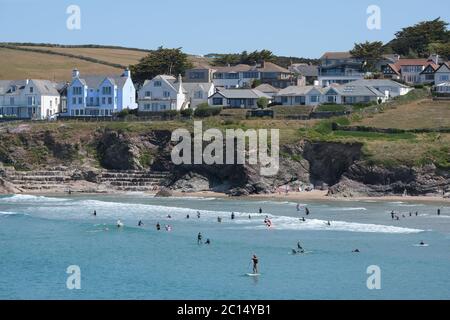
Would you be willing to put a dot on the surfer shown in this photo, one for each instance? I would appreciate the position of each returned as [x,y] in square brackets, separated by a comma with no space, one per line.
[298,206]
[356,251]
[168,227]
[249,217]
[438,212]
[207,241]
[410,214]
[198,214]
[232,216]
[307,211]
[119,224]
[169,216]
[299,246]
[219,219]
[417,213]
[158,226]
[328,223]
[95,213]
[255,264]
[140,223]
[199,238]
[422,243]
[187,217]
[392,214]
[260,210]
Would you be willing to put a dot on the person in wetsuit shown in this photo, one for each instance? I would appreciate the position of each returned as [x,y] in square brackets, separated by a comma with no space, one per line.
[255,264]
[199,238]
[158,226]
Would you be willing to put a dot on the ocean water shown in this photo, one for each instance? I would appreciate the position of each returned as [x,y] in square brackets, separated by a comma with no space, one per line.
[40,236]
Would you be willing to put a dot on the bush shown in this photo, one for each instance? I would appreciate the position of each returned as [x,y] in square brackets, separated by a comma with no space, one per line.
[262,102]
[187,112]
[123,114]
[203,111]
[170,113]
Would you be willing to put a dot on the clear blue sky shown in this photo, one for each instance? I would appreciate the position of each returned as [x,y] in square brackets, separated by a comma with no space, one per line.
[287,27]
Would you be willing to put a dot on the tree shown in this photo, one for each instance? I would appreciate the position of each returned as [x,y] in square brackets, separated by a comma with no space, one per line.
[160,61]
[442,49]
[262,102]
[416,39]
[371,52]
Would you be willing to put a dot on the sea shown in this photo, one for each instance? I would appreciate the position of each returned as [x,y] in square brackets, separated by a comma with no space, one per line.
[53,247]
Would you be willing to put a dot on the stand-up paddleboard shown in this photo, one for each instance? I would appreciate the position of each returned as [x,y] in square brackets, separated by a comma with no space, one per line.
[253,274]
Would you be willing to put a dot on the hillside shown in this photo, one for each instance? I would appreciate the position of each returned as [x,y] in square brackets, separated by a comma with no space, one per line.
[57,62]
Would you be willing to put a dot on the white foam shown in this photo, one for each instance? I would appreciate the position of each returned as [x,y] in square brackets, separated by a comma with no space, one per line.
[350,209]
[18,198]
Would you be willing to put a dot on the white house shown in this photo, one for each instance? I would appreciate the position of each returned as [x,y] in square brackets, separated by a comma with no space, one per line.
[390,88]
[28,99]
[414,71]
[162,93]
[238,98]
[339,68]
[198,92]
[100,95]
[443,88]
[351,94]
[300,96]
[442,74]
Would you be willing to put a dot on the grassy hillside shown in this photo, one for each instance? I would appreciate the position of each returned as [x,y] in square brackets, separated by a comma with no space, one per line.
[49,62]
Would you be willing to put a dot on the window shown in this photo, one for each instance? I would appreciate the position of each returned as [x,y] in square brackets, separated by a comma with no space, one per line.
[31,101]
[91,100]
[148,94]
[76,90]
[284,99]
[330,99]
[218,76]
[196,75]
[231,75]
[166,94]
[51,102]
[157,84]
[11,101]
[80,100]
[217,101]
[250,75]
[314,98]
[103,100]
[110,100]
[198,95]
[31,89]
[443,78]
[74,100]
[106,90]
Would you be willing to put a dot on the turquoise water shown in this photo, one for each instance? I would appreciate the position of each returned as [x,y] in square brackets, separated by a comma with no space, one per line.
[41,236]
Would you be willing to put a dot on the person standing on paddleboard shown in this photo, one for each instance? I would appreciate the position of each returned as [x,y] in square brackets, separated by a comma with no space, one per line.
[255,264]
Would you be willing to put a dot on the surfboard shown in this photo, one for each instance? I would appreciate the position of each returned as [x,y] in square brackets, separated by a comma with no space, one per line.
[253,274]
[420,245]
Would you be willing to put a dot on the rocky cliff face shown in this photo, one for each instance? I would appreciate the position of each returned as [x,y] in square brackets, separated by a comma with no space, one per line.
[340,166]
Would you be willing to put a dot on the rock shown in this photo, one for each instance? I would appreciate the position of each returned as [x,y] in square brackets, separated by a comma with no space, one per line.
[164,193]
[191,182]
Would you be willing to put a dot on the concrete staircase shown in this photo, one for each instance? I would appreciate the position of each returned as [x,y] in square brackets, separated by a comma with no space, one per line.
[132,180]
[42,180]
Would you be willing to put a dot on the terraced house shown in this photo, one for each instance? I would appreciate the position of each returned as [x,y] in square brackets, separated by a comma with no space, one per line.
[28,99]
[100,95]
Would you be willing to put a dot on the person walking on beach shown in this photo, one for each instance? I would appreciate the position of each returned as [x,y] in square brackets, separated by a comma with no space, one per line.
[255,264]
[199,238]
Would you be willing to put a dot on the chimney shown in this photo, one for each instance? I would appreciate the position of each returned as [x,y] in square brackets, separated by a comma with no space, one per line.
[396,57]
[27,81]
[75,73]
[180,84]
[127,73]
[435,58]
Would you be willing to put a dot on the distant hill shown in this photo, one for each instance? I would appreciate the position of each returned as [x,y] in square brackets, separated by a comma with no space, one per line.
[55,62]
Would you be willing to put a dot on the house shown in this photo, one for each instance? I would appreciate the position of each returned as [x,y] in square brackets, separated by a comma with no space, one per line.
[413,71]
[300,96]
[442,90]
[390,88]
[198,92]
[352,94]
[243,76]
[238,76]
[28,99]
[100,95]
[442,74]
[162,93]
[268,89]
[197,75]
[339,68]
[237,98]
[309,72]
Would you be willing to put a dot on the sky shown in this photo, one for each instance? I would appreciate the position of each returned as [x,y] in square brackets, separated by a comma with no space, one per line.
[286,27]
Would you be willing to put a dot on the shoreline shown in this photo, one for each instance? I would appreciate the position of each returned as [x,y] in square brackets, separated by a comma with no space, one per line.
[315,195]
